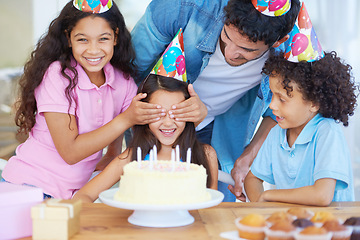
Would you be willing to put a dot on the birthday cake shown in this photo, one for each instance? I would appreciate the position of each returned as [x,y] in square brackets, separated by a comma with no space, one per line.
[163,182]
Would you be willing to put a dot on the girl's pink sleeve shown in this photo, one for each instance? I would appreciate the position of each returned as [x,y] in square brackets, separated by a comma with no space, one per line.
[130,94]
[50,94]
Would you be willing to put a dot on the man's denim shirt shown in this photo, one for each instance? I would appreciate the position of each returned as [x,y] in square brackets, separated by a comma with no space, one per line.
[202,22]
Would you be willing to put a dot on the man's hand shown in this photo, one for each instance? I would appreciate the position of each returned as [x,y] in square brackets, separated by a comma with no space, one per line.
[238,173]
[190,110]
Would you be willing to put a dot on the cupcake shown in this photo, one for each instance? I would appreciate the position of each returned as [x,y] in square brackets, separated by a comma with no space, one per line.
[339,232]
[300,212]
[281,230]
[320,217]
[354,223]
[277,216]
[313,233]
[251,226]
[302,223]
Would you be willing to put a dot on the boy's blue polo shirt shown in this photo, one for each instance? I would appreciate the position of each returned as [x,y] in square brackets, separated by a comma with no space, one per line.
[320,151]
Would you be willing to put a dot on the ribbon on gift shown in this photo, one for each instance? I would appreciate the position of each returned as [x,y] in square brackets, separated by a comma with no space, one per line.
[56,203]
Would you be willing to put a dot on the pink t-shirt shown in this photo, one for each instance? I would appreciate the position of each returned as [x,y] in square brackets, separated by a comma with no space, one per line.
[37,161]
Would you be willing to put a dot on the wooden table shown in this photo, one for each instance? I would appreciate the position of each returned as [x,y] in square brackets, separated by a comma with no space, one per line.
[99,221]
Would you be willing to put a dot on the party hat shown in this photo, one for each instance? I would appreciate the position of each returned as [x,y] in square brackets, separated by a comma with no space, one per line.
[272,8]
[172,61]
[93,6]
[303,44]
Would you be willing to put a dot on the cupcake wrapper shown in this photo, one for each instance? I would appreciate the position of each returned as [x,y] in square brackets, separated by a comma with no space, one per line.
[279,234]
[354,228]
[342,234]
[299,236]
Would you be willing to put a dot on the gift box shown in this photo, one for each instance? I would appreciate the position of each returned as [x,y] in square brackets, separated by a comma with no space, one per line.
[56,219]
[15,209]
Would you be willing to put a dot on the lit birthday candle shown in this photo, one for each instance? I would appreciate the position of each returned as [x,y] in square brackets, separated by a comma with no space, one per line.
[188,158]
[139,156]
[177,152]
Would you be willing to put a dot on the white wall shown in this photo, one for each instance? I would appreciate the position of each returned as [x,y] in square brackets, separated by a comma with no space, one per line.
[44,11]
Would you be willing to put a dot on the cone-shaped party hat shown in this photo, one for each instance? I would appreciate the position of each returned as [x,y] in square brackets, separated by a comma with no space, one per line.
[94,6]
[272,8]
[303,44]
[172,61]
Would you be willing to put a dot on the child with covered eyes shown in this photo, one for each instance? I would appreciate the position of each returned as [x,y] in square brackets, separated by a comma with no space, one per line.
[165,134]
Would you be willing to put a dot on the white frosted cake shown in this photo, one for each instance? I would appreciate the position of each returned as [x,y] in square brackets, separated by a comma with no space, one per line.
[165,182]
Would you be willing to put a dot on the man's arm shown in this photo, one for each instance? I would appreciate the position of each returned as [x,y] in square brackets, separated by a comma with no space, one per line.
[243,163]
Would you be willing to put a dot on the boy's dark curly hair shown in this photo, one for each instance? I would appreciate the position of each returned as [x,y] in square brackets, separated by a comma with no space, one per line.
[54,46]
[257,26]
[327,82]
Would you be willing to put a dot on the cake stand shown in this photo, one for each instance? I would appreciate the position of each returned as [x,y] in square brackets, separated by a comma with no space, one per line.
[152,215]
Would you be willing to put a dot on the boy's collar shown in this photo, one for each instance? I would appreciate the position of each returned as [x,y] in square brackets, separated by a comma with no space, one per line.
[306,134]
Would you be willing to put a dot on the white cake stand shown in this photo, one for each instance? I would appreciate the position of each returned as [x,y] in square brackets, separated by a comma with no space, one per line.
[152,215]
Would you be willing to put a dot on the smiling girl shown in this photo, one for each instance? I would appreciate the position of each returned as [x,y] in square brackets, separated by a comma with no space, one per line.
[165,134]
[77,96]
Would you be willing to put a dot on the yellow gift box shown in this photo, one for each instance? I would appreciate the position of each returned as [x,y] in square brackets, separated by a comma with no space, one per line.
[56,219]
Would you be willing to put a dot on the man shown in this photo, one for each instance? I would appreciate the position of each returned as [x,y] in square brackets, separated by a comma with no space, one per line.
[226,44]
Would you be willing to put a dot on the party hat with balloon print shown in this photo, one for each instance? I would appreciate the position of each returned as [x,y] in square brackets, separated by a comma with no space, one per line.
[172,61]
[303,44]
[272,8]
[93,6]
